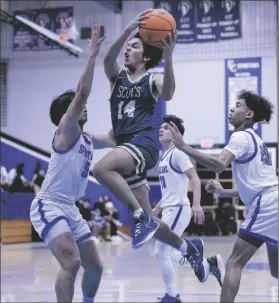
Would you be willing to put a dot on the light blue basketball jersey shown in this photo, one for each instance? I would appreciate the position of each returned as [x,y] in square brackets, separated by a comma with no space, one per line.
[67,174]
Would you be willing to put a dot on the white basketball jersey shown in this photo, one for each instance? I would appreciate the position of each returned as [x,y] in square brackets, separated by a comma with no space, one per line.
[174,183]
[67,174]
[252,170]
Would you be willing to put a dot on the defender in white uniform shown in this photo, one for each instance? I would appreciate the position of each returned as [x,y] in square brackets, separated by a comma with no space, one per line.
[53,212]
[175,171]
[257,186]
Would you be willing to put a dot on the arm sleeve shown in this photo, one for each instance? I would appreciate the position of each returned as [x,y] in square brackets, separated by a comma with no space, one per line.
[238,144]
[181,161]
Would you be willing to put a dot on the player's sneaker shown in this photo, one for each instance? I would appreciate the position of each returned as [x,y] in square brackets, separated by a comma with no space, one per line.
[194,256]
[217,268]
[169,299]
[145,228]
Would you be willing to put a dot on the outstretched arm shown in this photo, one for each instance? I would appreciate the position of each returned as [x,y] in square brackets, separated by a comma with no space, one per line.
[165,84]
[110,65]
[197,210]
[68,128]
[217,164]
[104,141]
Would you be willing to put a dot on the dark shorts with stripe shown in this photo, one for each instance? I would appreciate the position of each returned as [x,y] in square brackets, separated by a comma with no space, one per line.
[144,148]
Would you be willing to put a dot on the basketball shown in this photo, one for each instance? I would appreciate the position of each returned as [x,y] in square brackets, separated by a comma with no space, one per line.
[157,27]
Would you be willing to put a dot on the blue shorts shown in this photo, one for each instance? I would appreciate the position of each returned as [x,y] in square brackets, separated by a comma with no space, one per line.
[144,148]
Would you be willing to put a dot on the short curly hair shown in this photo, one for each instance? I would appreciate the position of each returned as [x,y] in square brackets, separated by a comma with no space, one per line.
[262,107]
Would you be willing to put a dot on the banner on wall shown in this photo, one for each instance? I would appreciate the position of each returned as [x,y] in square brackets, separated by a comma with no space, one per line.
[241,73]
[207,21]
[54,19]
[229,19]
[204,20]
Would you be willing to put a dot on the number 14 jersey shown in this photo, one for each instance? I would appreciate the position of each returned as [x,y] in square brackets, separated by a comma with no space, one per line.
[132,104]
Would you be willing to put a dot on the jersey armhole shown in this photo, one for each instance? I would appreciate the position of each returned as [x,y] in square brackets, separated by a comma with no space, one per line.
[61,152]
[253,155]
[177,170]
[114,83]
[151,83]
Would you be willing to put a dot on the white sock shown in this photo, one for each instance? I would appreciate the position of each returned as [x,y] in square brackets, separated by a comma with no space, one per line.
[163,254]
[183,248]
[168,274]
[137,213]
[87,300]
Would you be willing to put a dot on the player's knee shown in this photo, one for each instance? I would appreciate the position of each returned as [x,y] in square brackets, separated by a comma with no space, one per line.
[71,265]
[95,268]
[234,262]
[70,261]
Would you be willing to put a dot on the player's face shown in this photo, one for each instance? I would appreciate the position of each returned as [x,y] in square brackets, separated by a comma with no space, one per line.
[83,118]
[133,53]
[239,113]
[164,133]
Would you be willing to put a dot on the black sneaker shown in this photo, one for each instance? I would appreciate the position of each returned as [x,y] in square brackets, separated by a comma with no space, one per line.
[217,268]
[145,228]
[194,257]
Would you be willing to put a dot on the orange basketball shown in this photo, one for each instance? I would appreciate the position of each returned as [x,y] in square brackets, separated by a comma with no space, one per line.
[157,27]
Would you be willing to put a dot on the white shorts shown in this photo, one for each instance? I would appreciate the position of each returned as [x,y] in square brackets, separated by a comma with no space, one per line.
[261,221]
[51,219]
[177,218]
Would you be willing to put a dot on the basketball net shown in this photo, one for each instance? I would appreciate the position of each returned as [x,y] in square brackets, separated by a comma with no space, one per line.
[68,31]
[62,35]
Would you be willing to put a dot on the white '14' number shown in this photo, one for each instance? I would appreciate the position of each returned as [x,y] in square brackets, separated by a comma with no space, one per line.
[129,109]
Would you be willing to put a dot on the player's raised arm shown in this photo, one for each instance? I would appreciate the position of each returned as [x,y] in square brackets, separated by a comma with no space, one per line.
[165,84]
[110,65]
[79,102]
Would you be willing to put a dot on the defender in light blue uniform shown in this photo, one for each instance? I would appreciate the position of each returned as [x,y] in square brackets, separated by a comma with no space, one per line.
[53,212]
[257,186]
[65,182]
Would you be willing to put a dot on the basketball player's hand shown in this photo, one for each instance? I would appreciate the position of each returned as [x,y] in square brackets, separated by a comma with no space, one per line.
[169,44]
[139,20]
[197,213]
[214,187]
[95,41]
[177,138]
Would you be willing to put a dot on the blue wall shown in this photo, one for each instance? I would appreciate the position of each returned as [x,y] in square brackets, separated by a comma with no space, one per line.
[11,157]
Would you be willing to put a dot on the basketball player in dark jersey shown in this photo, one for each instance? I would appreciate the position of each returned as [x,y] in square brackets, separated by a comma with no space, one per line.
[134,93]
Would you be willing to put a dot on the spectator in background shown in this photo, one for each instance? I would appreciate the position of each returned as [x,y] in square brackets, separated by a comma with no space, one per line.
[18,181]
[85,211]
[38,177]
[4,178]
[102,222]
[111,215]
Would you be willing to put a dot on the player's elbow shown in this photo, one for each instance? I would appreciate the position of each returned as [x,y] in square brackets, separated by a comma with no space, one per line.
[167,96]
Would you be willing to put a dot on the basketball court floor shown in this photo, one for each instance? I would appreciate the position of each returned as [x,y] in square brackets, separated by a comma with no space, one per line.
[28,273]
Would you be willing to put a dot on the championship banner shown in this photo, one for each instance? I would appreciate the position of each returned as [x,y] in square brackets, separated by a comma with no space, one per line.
[229,19]
[184,14]
[204,20]
[58,20]
[207,21]
[241,73]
